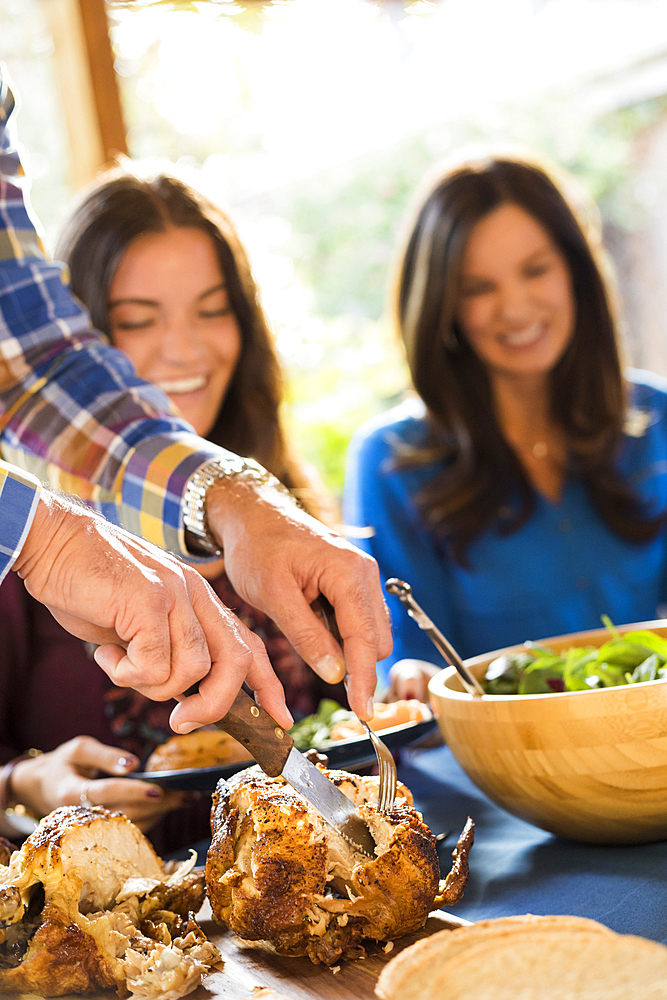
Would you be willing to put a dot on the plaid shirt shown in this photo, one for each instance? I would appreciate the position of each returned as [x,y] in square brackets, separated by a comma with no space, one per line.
[19,493]
[72,410]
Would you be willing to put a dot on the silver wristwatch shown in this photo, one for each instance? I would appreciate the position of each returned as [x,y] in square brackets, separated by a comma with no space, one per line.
[201,481]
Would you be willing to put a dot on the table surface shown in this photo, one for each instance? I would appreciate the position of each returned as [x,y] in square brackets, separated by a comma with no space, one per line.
[247,967]
[514,868]
[518,868]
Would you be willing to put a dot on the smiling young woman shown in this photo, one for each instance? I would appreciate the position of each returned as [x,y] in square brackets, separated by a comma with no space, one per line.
[522,493]
[516,310]
[164,275]
[136,237]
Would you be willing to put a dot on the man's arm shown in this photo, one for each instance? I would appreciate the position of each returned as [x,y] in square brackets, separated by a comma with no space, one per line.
[73,411]
[75,414]
[19,496]
[158,625]
[301,559]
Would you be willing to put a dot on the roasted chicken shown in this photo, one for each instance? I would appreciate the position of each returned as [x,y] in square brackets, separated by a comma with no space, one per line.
[87,904]
[275,871]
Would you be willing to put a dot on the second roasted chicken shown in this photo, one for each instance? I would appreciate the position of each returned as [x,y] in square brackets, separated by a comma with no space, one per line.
[87,904]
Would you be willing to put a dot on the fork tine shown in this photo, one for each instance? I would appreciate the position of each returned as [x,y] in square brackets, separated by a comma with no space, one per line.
[382,794]
[391,788]
[386,768]
[386,771]
[390,793]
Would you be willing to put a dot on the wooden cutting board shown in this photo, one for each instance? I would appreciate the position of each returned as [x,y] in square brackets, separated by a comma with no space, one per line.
[248,967]
[297,978]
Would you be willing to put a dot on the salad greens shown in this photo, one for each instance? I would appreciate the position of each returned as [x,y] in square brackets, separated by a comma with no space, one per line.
[629,659]
[315,729]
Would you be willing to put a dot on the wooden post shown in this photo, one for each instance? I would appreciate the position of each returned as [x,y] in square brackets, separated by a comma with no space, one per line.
[106,93]
[88,87]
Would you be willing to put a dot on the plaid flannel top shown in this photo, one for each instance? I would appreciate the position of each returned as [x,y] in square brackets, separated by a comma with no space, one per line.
[72,410]
[19,493]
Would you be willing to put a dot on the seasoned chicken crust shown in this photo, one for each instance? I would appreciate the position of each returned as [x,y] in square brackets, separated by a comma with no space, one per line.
[275,872]
[87,904]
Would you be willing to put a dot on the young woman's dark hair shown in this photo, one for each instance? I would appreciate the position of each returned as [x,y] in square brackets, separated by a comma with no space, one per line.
[124,205]
[482,473]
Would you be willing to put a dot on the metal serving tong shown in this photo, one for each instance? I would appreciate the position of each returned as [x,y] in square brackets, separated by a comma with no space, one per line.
[403,590]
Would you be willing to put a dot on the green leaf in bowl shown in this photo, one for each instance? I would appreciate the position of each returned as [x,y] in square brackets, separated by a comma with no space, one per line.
[624,653]
[543,676]
[650,640]
[649,670]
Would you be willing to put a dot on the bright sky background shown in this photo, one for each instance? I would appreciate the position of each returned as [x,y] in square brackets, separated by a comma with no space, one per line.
[322,82]
[331,79]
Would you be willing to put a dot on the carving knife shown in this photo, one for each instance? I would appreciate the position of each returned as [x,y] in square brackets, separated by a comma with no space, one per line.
[274,751]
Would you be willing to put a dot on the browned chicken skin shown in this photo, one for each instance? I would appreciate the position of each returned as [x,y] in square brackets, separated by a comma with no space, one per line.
[86,904]
[273,865]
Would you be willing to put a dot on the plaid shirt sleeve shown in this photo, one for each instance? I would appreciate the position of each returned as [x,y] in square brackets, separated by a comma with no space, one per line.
[72,410]
[19,494]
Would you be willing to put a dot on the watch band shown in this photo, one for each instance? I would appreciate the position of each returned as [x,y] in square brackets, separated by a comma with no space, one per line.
[199,484]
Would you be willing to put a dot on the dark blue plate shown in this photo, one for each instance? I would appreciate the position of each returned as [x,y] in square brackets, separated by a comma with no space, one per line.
[346,754]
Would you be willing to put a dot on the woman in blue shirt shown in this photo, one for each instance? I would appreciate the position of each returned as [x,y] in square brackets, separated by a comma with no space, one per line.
[522,492]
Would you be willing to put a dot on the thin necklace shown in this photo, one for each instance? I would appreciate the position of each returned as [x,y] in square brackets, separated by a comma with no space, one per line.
[539,449]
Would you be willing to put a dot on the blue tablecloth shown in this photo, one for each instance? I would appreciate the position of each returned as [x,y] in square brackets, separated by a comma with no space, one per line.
[517,868]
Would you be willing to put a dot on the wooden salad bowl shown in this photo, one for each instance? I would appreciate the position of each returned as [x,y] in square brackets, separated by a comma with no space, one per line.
[588,765]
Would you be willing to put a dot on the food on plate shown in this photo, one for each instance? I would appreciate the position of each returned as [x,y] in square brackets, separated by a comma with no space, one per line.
[203,748]
[277,873]
[332,722]
[393,713]
[629,659]
[524,957]
[86,904]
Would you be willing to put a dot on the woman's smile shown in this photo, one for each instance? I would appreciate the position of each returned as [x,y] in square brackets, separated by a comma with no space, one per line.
[526,337]
[184,386]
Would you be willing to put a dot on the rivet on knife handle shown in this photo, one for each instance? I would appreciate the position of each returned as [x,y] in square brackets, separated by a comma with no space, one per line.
[252,726]
[248,723]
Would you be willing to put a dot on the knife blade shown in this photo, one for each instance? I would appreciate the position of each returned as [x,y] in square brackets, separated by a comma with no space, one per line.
[273,749]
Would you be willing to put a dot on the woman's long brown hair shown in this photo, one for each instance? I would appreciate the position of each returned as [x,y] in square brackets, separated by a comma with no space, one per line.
[481,479]
[122,206]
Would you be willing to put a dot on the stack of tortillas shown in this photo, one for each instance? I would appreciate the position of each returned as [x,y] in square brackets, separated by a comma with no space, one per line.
[528,958]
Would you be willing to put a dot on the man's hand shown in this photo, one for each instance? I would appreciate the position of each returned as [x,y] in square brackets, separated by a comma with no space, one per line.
[159,626]
[280,559]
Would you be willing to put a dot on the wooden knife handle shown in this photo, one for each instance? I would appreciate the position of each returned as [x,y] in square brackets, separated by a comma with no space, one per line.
[261,735]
